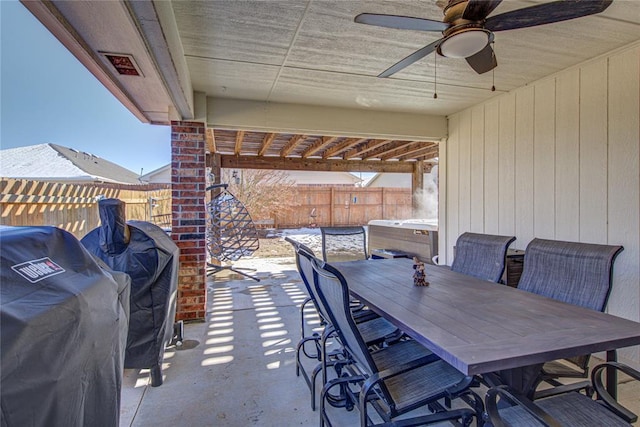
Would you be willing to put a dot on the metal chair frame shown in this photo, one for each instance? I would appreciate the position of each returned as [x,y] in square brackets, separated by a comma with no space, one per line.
[575,273]
[364,383]
[579,408]
[376,329]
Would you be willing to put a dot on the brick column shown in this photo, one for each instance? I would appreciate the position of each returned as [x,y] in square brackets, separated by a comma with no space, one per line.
[188,184]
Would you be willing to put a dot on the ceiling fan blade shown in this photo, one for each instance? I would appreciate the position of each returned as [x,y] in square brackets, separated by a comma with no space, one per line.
[415,56]
[483,61]
[400,22]
[478,10]
[546,13]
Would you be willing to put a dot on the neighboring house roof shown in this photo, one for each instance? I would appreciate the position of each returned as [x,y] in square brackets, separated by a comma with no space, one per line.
[323,178]
[161,175]
[399,180]
[51,162]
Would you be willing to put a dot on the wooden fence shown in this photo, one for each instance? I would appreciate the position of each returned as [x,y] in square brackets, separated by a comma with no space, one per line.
[335,206]
[74,207]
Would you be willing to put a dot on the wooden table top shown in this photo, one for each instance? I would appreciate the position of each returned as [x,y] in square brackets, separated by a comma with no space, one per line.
[478,326]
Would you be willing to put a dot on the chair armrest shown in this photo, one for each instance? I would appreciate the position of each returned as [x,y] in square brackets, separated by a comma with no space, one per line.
[305,302]
[566,388]
[491,405]
[603,394]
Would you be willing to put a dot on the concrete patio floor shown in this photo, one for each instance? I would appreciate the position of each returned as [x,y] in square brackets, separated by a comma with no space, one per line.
[238,367]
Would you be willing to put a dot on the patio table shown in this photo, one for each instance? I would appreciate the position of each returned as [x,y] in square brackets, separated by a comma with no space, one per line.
[480,327]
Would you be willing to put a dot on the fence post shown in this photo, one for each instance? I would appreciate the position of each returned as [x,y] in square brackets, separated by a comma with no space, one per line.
[332,207]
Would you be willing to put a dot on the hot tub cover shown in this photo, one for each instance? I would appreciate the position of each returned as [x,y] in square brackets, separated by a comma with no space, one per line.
[63,328]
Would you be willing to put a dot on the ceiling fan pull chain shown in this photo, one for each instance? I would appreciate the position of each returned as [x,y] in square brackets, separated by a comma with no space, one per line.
[493,71]
[435,76]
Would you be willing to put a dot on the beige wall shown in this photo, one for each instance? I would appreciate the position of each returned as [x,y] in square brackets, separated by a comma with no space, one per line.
[557,159]
[316,120]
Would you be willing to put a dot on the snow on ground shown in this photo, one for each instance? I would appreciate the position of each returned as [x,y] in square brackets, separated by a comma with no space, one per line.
[312,238]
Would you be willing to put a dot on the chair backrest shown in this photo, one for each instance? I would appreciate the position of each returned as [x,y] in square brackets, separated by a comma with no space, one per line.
[481,255]
[304,255]
[571,272]
[333,294]
[575,273]
[338,241]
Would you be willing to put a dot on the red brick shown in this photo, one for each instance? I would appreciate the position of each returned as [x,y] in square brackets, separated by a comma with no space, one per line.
[190,293]
[193,286]
[187,301]
[192,315]
[191,194]
[187,308]
[187,150]
[187,165]
[191,251]
[192,208]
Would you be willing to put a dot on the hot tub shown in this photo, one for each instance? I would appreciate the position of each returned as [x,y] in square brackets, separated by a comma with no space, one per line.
[415,237]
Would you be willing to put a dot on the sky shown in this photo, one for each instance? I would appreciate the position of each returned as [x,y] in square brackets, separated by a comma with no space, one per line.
[48,96]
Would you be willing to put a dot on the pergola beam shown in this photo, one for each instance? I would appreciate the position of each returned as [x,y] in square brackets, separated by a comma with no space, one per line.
[239,138]
[319,145]
[368,146]
[406,149]
[293,142]
[295,163]
[428,154]
[389,148]
[266,143]
[343,146]
[211,141]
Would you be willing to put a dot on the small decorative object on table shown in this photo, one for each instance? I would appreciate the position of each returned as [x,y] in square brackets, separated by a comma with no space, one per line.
[419,276]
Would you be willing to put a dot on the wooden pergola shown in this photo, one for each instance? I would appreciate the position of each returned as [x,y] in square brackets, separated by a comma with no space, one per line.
[240,149]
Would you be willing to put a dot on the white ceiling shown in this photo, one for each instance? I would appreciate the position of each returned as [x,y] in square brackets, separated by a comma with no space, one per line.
[311,52]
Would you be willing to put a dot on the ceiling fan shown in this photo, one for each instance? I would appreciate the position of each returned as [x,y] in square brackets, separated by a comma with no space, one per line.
[468,33]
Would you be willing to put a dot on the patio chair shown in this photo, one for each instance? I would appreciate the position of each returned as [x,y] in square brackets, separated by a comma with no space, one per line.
[571,272]
[374,329]
[394,380]
[361,313]
[573,409]
[338,243]
[481,255]
[230,233]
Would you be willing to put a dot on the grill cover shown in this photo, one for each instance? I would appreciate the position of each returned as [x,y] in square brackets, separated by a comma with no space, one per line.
[147,254]
[63,329]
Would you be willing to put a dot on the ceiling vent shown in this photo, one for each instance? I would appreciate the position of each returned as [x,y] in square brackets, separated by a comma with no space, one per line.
[124,64]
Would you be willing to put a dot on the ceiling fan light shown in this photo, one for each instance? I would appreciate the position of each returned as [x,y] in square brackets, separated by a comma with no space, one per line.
[464,45]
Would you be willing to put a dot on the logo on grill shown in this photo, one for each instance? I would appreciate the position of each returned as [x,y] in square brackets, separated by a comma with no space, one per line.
[37,269]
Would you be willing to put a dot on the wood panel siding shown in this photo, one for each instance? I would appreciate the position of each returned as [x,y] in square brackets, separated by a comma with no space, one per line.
[491,169]
[623,172]
[567,154]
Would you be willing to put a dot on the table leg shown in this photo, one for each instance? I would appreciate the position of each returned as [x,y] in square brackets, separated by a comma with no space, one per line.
[522,380]
[612,374]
